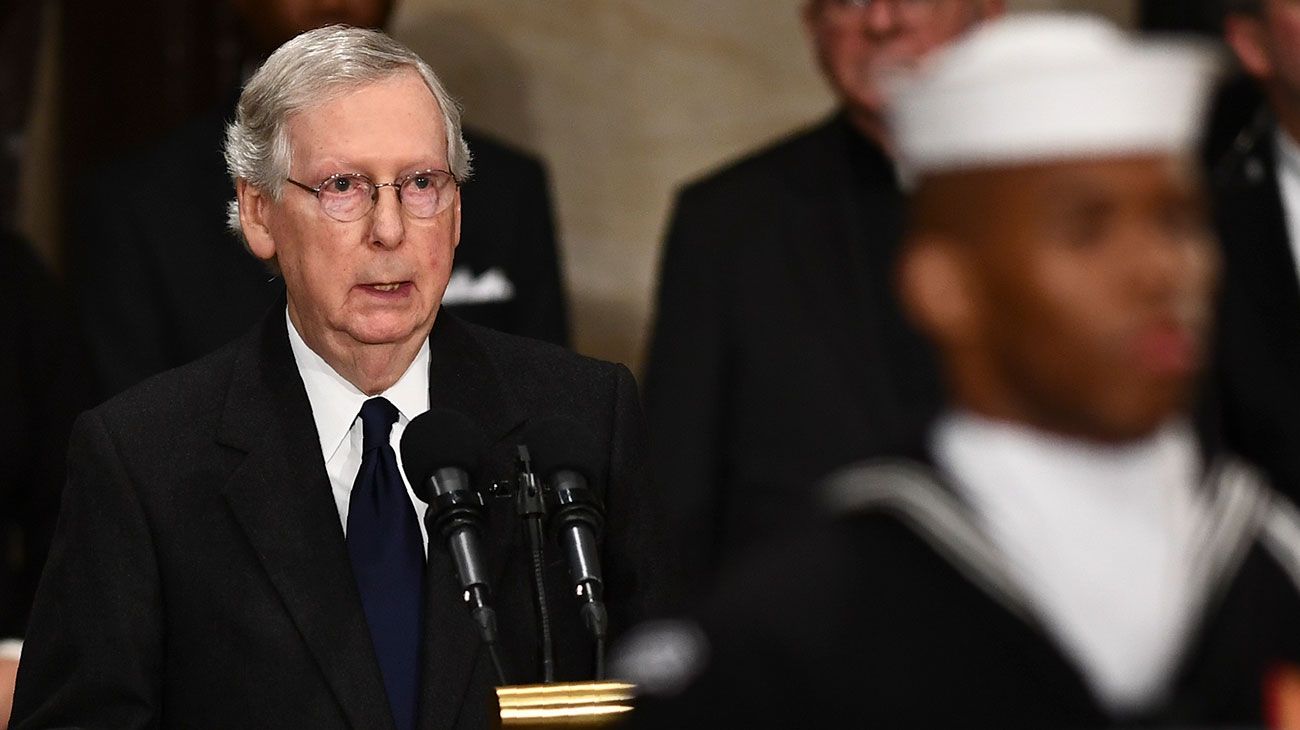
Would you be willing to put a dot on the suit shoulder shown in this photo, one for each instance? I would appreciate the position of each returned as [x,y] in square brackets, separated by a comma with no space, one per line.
[500,157]
[776,160]
[532,358]
[174,398]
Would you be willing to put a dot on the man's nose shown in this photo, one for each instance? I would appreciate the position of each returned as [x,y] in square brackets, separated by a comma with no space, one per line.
[1163,263]
[387,226]
[881,17]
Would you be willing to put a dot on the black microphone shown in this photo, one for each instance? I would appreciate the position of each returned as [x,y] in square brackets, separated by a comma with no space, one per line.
[441,448]
[568,457]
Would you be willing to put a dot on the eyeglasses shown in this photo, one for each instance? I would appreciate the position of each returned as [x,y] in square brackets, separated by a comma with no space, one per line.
[347,197]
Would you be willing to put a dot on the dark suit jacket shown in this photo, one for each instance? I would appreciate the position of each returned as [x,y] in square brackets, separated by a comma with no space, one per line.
[779,352]
[160,281]
[200,578]
[1257,367]
[41,392]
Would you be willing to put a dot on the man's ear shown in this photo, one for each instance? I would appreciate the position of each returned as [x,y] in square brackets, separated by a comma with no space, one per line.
[811,15]
[254,205]
[456,222]
[1244,34]
[937,291]
[808,14]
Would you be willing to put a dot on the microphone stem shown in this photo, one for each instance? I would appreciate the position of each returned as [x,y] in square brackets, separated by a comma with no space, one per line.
[496,664]
[477,599]
[531,506]
[534,524]
[596,619]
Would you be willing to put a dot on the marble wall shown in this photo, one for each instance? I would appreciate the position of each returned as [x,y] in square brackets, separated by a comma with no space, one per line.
[625,100]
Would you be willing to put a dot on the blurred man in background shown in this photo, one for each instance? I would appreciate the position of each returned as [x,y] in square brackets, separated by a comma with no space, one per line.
[779,352]
[1057,553]
[42,388]
[160,281]
[1257,204]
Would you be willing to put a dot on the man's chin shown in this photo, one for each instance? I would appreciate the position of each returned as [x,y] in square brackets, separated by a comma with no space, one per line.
[388,331]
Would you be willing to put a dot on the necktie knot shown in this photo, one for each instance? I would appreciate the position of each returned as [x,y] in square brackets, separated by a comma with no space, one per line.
[377,418]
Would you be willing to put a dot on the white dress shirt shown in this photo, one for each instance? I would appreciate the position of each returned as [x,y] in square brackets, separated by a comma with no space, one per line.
[1288,180]
[1101,540]
[336,408]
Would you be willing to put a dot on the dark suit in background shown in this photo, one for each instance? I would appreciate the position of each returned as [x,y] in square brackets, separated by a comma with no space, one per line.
[200,577]
[1257,375]
[160,281]
[41,391]
[779,352]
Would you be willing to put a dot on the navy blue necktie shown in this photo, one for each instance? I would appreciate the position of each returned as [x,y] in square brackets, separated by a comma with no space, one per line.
[388,560]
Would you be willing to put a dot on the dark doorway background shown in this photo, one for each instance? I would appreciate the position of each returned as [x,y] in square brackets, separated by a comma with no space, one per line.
[20,33]
[131,70]
[134,69]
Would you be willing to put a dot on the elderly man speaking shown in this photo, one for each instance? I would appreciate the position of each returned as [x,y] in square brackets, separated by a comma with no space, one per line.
[238,546]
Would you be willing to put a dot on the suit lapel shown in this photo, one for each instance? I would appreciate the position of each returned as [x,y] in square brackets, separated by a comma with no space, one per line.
[1258,250]
[281,497]
[464,378]
[844,230]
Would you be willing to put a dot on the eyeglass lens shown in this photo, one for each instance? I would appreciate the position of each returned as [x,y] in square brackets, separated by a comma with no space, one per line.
[349,197]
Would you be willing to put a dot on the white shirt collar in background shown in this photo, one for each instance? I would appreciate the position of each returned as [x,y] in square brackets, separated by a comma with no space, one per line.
[1288,182]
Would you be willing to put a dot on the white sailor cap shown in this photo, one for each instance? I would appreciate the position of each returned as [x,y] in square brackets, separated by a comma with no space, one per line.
[1037,87]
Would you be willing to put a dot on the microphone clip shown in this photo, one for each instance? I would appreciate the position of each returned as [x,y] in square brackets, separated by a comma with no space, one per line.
[530,500]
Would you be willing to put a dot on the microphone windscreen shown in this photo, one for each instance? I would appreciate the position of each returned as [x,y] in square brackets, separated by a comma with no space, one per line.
[563,443]
[440,438]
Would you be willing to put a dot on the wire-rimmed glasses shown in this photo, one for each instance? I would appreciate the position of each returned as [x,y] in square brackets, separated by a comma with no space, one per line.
[349,196]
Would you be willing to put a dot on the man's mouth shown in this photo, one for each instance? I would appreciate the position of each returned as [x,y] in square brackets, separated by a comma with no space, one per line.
[386,287]
[1167,348]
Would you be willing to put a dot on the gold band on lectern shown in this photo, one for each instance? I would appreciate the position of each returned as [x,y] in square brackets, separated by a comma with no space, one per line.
[563,704]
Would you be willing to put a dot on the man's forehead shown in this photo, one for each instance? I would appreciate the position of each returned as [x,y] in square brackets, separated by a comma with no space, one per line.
[403,90]
[983,201]
[1078,173]
[394,116]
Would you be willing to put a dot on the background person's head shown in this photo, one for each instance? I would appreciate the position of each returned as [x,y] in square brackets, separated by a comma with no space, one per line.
[1066,271]
[1265,37]
[857,40]
[342,101]
[271,23]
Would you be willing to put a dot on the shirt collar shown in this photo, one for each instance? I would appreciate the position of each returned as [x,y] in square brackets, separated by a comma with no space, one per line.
[998,461]
[1288,153]
[335,403]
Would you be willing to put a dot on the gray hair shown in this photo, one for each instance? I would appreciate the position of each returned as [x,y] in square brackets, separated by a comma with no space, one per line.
[309,70]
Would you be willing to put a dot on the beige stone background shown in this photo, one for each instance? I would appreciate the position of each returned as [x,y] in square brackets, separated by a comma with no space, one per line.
[624,99]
